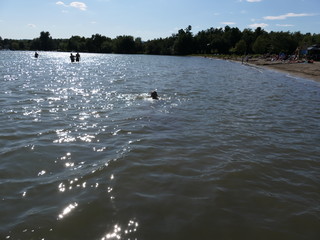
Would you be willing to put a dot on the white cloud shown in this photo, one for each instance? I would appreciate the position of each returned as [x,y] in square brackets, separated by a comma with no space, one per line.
[288,15]
[256,25]
[31,25]
[284,25]
[228,23]
[79,5]
[61,3]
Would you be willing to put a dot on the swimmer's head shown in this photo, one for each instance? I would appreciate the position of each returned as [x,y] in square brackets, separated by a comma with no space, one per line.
[154,95]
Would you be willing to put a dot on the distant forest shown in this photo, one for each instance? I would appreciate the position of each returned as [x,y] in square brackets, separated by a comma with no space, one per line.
[228,40]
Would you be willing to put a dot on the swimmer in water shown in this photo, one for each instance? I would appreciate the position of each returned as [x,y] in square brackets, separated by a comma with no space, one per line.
[154,95]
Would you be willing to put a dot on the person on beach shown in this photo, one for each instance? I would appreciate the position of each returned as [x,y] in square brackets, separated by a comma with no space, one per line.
[154,95]
[71,57]
[77,57]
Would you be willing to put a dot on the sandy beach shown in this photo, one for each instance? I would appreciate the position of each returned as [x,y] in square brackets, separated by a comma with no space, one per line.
[301,69]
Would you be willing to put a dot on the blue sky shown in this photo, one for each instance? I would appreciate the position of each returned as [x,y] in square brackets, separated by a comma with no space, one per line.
[150,19]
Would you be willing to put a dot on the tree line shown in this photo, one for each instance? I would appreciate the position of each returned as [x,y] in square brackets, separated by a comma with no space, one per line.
[227,40]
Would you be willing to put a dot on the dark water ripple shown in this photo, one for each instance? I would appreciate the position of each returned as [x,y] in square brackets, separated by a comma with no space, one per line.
[228,152]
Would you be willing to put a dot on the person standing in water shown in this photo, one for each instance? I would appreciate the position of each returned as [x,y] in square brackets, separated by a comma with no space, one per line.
[77,57]
[71,57]
[36,55]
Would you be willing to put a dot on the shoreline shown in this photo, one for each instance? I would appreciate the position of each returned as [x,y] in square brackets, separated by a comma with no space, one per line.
[302,69]
[305,70]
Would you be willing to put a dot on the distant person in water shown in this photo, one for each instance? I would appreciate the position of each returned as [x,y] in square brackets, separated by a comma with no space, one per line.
[77,57]
[154,95]
[36,55]
[71,57]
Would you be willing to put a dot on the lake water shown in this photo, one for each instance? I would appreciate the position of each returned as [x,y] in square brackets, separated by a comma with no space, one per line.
[228,151]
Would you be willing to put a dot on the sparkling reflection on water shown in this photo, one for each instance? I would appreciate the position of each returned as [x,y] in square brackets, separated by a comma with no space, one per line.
[228,152]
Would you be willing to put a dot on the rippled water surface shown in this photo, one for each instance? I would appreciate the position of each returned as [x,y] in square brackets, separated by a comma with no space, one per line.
[228,152]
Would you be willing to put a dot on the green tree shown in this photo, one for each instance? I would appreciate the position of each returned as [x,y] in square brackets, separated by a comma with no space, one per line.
[107,46]
[14,45]
[183,44]
[241,47]
[316,38]
[202,43]
[124,44]
[35,44]
[262,44]
[219,45]
[154,46]
[307,40]
[139,45]
[231,36]
[62,45]
[258,32]
[45,42]
[97,40]
[94,44]
[77,43]
[249,38]
[282,42]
